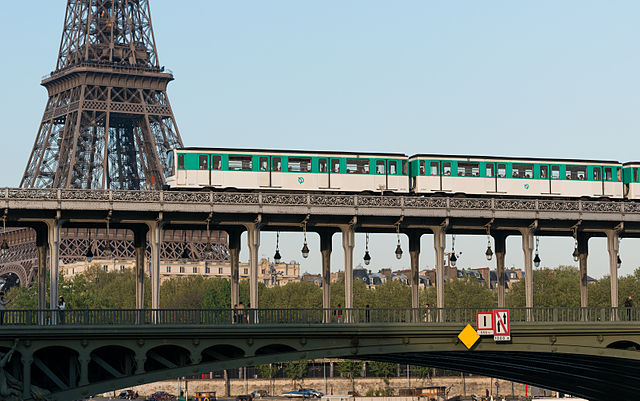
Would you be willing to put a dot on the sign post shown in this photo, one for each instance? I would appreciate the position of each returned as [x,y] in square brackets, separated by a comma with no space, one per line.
[484,323]
[501,325]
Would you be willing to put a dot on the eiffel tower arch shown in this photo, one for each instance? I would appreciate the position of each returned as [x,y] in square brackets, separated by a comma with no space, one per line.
[107,124]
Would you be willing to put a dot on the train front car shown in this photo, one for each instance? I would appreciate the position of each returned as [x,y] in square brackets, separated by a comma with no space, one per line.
[289,170]
[630,175]
[526,177]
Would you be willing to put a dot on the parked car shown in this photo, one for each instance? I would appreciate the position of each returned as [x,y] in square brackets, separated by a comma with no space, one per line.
[258,393]
[162,396]
[303,393]
[126,394]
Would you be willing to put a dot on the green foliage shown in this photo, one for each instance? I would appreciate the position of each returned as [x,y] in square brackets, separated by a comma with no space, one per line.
[468,293]
[380,392]
[292,295]
[296,370]
[383,369]
[551,288]
[422,372]
[350,370]
[269,370]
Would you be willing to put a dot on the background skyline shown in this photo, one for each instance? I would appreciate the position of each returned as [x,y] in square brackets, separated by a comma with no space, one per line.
[535,79]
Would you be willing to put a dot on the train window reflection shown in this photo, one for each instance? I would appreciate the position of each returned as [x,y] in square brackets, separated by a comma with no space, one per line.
[520,170]
[217,162]
[619,174]
[240,163]
[422,167]
[502,170]
[544,172]
[359,166]
[469,169]
[392,168]
[335,165]
[264,163]
[434,168]
[608,175]
[446,168]
[576,172]
[181,161]
[276,164]
[596,173]
[635,175]
[490,170]
[203,162]
[322,165]
[404,167]
[300,164]
[555,172]
[380,169]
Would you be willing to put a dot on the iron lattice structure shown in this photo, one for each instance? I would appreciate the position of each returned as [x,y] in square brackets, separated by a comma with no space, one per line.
[108,122]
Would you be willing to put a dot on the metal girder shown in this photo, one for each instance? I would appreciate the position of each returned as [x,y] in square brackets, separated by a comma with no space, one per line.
[49,373]
[104,365]
[162,360]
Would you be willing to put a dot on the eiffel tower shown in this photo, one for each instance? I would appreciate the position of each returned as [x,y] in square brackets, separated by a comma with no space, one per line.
[108,123]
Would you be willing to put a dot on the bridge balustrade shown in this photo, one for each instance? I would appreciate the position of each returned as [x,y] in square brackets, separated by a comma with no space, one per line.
[310,316]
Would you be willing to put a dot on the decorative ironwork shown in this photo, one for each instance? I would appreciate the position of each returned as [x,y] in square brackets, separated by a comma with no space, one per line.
[284,199]
[602,207]
[379,201]
[425,203]
[467,203]
[514,204]
[332,200]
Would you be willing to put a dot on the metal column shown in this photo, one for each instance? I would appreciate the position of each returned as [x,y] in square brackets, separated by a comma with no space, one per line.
[439,243]
[583,253]
[527,248]
[54,243]
[253,238]
[414,279]
[501,245]
[234,255]
[155,234]
[140,245]
[348,239]
[42,243]
[325,250]
[613,244]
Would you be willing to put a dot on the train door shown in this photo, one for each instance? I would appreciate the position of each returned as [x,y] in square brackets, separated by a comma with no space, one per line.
[181,172]
[598,178]
[334,173]
[276,176]
[204,171]
[555,182]
[323,173]
[264,171]
[380,178]
[545,176]
[492,177]
[215,171]
[446,183]
[501,178]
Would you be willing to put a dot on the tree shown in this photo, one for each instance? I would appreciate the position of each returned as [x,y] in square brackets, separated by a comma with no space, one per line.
[350,369]
[296,370]
[383,369]
[551,288]
[269,371]
[422,372]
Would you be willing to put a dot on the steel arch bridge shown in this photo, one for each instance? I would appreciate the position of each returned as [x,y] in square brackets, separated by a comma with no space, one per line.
[95,352]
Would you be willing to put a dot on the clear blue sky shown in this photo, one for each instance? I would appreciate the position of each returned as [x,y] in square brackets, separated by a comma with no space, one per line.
[526,78]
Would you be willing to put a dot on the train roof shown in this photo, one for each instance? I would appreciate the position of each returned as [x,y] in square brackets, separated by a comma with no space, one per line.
[322,152]
[531,159]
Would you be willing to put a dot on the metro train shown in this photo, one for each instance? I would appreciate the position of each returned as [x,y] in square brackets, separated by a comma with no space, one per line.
[421,174]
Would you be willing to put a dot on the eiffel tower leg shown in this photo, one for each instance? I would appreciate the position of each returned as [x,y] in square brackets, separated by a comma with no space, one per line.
[140,244]
[54,242]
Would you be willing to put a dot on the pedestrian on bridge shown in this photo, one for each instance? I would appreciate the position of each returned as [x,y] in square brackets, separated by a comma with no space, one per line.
[61,307]
[628,303]
[3,307]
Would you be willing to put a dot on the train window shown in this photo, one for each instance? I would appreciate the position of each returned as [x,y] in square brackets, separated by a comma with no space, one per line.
[264,164]
[619,174]
[300,164]
[322,165]
[404,167]
[446,168]
[520,170]
[181,161]
[469,169]
[502,170]
[335,165]
[635,175]
[217,162]
[276,164]
[608,175]
[555,172]
[357,166]
[422,167]
[203,162]
[490,170]
[380,169]
[434,168]
[544,172]
[576,172]
[392,168]
[596,173]
[240,163]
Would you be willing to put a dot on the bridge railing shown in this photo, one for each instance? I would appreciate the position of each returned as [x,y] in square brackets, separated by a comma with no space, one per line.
[311,316]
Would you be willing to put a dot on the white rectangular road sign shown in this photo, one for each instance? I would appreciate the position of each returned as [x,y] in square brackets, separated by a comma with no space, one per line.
[501,325]
[484,323]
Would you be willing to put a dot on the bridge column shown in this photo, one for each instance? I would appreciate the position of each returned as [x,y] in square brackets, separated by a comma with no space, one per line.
[54,244]
[439,243]
[583,253]
[27,361]
[141,358]
[253,238]
[501,245]
[414,280]
[613,244]
[42,244]
[140,245]
[155,234]
[348,240]
[325,250]
[234,255]
[84,360]
[527,248]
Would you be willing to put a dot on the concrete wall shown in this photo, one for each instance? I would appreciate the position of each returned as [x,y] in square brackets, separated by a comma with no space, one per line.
[474,385]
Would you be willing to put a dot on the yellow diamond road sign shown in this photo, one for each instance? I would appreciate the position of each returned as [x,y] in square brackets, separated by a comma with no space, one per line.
[468,336]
